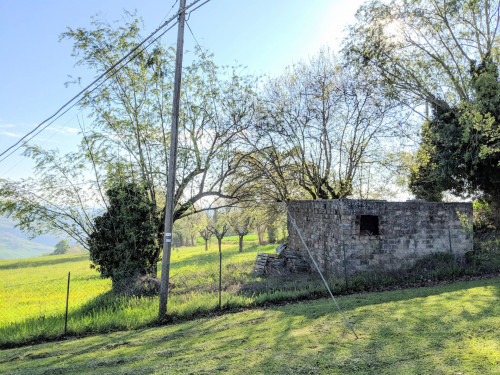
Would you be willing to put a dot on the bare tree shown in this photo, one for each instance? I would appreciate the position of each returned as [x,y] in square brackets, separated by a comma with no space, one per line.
[319,125]
[241,221]
[219,228]
[206,234]
[422,50]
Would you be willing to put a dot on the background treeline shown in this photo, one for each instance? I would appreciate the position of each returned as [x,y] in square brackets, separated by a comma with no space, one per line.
[267,225]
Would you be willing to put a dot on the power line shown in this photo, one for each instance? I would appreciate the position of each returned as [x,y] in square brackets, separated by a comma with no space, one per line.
[63,108]
[42,143]
[85,89]
[79,100]
[192,34]
[198,7]
[172,7]
[203,54]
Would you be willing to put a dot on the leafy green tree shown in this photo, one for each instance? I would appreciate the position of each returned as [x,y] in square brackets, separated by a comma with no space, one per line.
[186,229]
[275,221]
[135,108]
[61,247]
[442,56]
[60,198]
[458,147]
[124,241]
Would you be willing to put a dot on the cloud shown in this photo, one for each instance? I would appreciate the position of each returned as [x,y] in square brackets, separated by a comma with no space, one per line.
[66,130]
[10,134]
[7,126]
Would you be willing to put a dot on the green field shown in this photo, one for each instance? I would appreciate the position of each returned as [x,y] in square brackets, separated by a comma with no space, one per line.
[451,329]
[33,292]
[441,330]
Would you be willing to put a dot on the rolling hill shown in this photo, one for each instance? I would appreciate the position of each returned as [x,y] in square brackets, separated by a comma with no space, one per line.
[14,244]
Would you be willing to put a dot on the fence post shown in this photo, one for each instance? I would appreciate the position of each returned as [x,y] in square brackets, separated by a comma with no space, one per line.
[220,276]
[345,267]
[67,300]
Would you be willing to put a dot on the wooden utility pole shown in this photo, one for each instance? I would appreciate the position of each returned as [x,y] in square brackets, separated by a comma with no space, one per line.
[172,163]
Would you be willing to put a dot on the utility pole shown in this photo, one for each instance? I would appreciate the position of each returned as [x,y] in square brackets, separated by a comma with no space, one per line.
[172,163]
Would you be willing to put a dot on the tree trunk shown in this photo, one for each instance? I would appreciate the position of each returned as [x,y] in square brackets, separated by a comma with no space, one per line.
[260,234]
[241,242]
[206,244]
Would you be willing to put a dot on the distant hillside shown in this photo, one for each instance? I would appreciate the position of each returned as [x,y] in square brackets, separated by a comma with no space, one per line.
[13,247]
[8,225]
[15,244]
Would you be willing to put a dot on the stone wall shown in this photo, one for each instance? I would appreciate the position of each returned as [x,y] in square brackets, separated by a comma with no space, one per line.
[362,235]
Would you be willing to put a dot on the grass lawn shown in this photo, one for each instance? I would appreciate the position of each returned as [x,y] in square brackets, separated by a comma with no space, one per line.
[451,329]
[33,292]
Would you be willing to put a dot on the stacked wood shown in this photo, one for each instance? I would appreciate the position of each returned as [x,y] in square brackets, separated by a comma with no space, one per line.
[261,262]
[285,262]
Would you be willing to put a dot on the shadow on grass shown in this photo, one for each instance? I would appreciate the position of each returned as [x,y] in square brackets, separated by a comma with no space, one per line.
[44,261]
[412,334]
[107,312]
[95,316]
[411,327]
[415,336]
[353,301]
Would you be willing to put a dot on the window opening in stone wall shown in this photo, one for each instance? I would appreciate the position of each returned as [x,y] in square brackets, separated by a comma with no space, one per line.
[368,225]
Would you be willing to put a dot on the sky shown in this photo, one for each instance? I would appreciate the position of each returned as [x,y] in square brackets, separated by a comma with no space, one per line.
[265,36]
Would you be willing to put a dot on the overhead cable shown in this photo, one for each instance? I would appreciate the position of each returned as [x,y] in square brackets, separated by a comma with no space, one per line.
[64,108]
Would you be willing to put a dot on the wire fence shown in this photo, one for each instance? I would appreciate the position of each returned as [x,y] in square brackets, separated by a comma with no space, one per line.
[81,301]
[37,300]
[41,306]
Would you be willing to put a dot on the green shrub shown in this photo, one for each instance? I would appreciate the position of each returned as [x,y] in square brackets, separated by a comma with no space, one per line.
[123,243]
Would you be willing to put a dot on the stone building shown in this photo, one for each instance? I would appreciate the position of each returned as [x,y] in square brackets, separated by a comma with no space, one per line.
[360,235]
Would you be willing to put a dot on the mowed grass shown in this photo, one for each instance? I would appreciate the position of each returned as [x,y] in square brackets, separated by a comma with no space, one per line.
[451,329]
[33,292]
